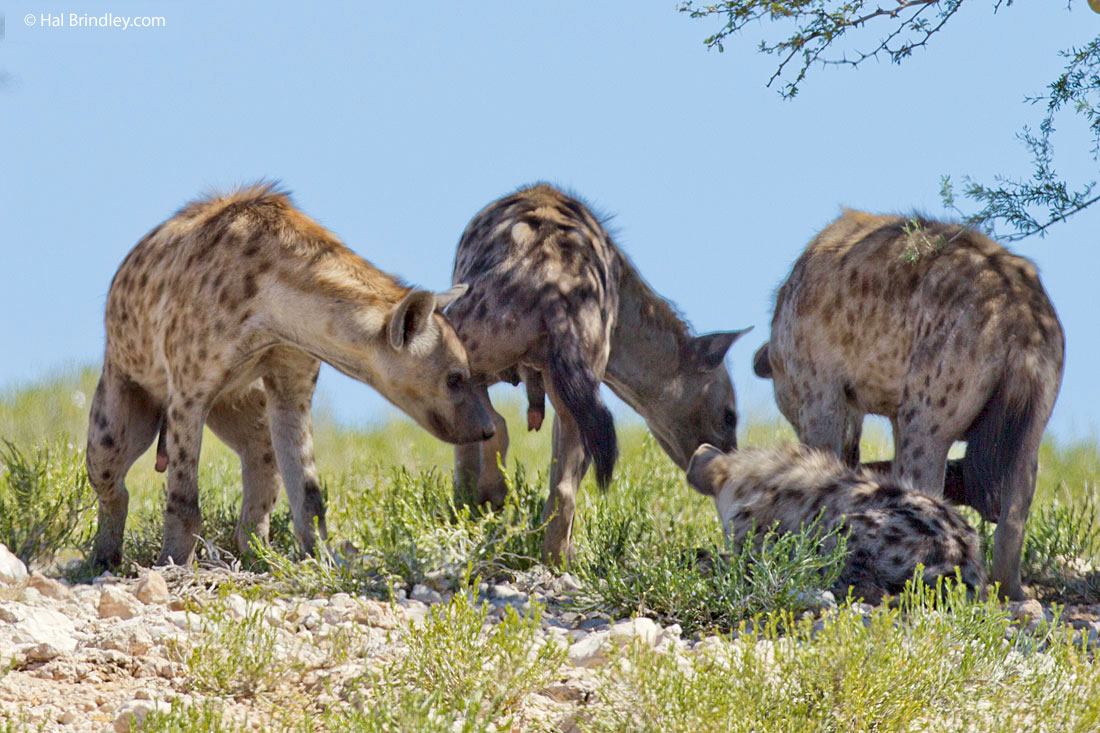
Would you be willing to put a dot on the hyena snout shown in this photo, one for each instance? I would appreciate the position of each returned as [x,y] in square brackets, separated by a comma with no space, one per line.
[470,421]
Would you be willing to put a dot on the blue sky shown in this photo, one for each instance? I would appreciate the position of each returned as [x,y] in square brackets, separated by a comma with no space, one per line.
[393,123]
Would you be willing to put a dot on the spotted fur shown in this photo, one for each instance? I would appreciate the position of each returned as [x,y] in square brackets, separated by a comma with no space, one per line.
[553,301]
[938,328]
[890,527]
[222,315]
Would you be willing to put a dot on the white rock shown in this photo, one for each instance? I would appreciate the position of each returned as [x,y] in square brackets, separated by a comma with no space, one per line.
[1028,612]
[135,712]
[12,569]
[49,587]
[374,613]
[115,602]
[152,588]
[641,628]
[568,582]
[424,594]
[132,638]
[237,606]
[49,632]
[508,594]
[590,651]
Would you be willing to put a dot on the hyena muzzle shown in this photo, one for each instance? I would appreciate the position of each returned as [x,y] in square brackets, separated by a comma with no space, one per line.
[938,328]
[222,316]
[555,303]
[891,528]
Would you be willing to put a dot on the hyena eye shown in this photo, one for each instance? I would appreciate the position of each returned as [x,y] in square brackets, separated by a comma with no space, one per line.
[455,380]
[730,418]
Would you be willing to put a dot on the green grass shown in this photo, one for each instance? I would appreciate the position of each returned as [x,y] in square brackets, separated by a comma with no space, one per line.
[931,663]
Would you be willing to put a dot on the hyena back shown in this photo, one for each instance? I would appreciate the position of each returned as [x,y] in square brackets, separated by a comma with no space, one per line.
[891,528]
[553,301]
[222,315]
[938,328]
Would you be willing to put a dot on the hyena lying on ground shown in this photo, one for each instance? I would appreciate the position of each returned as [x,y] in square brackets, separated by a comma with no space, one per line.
[223,315]
[553,301]
[892,528]
[938,328]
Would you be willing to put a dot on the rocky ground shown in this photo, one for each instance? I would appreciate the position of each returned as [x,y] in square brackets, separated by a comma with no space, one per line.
[99,656]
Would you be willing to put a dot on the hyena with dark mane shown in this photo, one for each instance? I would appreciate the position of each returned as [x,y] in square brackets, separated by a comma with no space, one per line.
[891,528]
[222,315]
[553,301]
[938,328]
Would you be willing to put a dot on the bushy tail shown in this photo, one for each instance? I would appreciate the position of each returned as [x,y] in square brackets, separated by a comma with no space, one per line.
[578,388]
[996,438]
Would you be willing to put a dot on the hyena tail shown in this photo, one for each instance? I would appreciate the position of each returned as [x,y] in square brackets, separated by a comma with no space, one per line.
[761,362]
[994,442]
[575,383]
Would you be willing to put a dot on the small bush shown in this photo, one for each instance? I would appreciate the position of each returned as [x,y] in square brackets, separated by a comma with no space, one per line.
[457,675]
[45,501]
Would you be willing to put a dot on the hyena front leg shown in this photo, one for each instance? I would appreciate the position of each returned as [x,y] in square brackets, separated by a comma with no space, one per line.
[289,397]
[241,423]
[477,475]
[568,466]
[183,441]
[123,422]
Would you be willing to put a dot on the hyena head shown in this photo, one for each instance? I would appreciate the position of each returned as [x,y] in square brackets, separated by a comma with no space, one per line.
[426,371]
[703,408]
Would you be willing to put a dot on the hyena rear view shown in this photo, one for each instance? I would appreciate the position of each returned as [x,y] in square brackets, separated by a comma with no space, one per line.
[938,328]
[222,315]
[891,528]
[554,300]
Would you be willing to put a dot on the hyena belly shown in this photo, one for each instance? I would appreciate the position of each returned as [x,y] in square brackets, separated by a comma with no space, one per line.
[890,528]
[939,329]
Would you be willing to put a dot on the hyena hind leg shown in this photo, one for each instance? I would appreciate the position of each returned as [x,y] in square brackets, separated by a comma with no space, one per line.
[123,422]
[831,424]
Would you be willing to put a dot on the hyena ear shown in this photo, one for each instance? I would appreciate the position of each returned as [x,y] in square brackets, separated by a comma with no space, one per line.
[411,317]
[706,472]
[444,299]
[762,362]
[707,352]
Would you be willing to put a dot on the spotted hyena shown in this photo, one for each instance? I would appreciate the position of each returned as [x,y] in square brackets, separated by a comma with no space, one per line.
[222,315]
[891,528]
[938,328]
[554,302]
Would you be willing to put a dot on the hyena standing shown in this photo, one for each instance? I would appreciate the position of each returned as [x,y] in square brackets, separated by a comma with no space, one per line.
[222,315]
[891,528]
[552,298]
[938,328]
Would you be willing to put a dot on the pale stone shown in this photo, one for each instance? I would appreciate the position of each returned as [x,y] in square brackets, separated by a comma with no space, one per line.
[424,594]
[376,614]
[135,712]
[49,587]
[12,569]
[115,602]
[590,651]
[641,628]
[1028,612]
[152,588]
[49,632]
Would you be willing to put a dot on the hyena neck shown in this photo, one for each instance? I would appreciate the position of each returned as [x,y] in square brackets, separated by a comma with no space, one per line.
[345,330]
[645,345]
